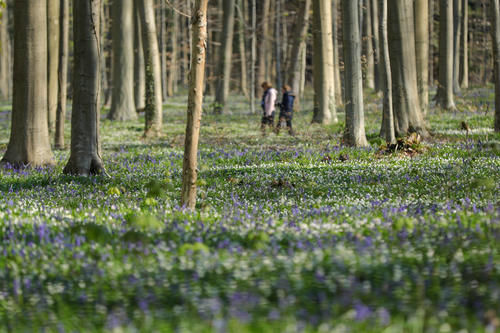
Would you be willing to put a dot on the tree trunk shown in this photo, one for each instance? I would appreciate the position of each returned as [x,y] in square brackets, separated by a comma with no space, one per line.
[5,58]
[368,42]
[422,51]
[106,54]
[445,85]
[63,74]
[242,48]
[163,48]
[85,159]
[262,72]
[431,45]
[495,30]
[407,114]
[253,84]
[277,44]
[29,137]
[154,104]
[225,59]
[139,66]
[336,55]
[355,124]
[376,45]
[300,35]
[464,60]
[324,89]
[53,61]
[387,130]
[195,101]
[457,37]
[122,104]
[174,53]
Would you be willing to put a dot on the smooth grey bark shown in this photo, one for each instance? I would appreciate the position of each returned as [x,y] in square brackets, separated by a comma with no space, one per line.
[263,49]
[464,55]
[242,48]
[298,45]
[106,54]
[174,54]
[154,104]
[29,136]
[387,130]
[162,18]
[139,62]
[324,89]
[431,45]
[495,21]
[195,103]
[225,59]
[355,124]
[422,51]
[457,38]
[253,84]
[5,57]
[277,44]
[376,45]
[62,74]
[52,61]
[85,159]
[408,117]
[445,84]
[122,102]
[368,46]
[336,55]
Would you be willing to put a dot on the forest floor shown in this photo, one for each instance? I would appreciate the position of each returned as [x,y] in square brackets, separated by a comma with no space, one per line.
[291,234]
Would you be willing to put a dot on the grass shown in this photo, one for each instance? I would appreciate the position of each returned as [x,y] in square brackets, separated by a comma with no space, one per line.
[290,233]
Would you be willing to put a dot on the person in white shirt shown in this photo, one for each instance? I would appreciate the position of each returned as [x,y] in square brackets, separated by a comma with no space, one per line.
[268,106]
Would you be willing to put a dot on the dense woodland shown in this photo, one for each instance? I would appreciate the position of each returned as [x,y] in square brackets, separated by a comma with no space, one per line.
[379,212]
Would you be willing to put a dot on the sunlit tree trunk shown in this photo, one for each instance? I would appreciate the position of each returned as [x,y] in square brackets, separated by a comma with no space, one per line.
[242,48]
[53,61]
[139,72]
[376,45]
[368,46]
[195,101]
[29,136]
[263,48]
[62,74]
[495,20]
[336,54]
[324,89]
[445,85]
[5,57]
[464,60]
[253,84]
[154,104]
[355,124]
[457,38]
[422,51]
[173,67]
[85,159]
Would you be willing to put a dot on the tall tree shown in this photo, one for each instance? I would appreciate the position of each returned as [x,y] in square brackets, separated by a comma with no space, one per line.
[422,49]
[263,42]
[154,104]
[445,84]
[278,43]
[324,89]
[174,51]
[368,45]
[29,135]
[62,74]
[457,39]
[336,54]
[53,60]
[225,59]
[495,20]
[407,114]
[464,55]
[253,84]
[377,54]
[122,102]
[355,123]
[139,67]
[5,57]
[195,102]
[242,48]
[85,158]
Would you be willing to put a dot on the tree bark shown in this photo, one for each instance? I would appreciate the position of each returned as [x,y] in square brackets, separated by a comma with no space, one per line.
[407,114]
[431,45]
[277,44]
[262,71]
[195,101]
[253,84]
[122,103]
[62,74]
[445,85]
[457,37]
[154,105]
[336,55]
[387,130]
[225,59]
[29,136]
[139,62]
[242,49]
[464,60]
[174,54]
[368,42]
[355,124]
[53,61]
[5,57]
[85,159]
[324,89]
[495,20]
[422,51]
[376,45]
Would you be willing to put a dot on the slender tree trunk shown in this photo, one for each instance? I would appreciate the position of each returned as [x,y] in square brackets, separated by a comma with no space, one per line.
[422,49]
[464,60]
[174,52]
[53,60]
[153,107]
[336,55]
[277,44]
[122,104]
[242,48]
[445,86]
[485,72]
[387,130]
[457,30]
[195,101]
[85,159]
[263,44]
[139,66]
[29,136]
[431,45]
[253,84]
[105,82]
[5,57]
[495,21]
[376,45]
[324,86]
[300,35]
[62,74]
[163,48]
[407,114]
[355,124]
[368,41]
[225,60]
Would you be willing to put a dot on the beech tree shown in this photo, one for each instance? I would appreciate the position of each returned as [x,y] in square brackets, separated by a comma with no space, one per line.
[29,135]
[62,74]
[85,157]
[495,19]
[445,83]
[422,51]
[53,60]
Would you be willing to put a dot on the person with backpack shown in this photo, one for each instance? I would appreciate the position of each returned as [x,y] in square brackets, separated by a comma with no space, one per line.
[268,106]
[286,110]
